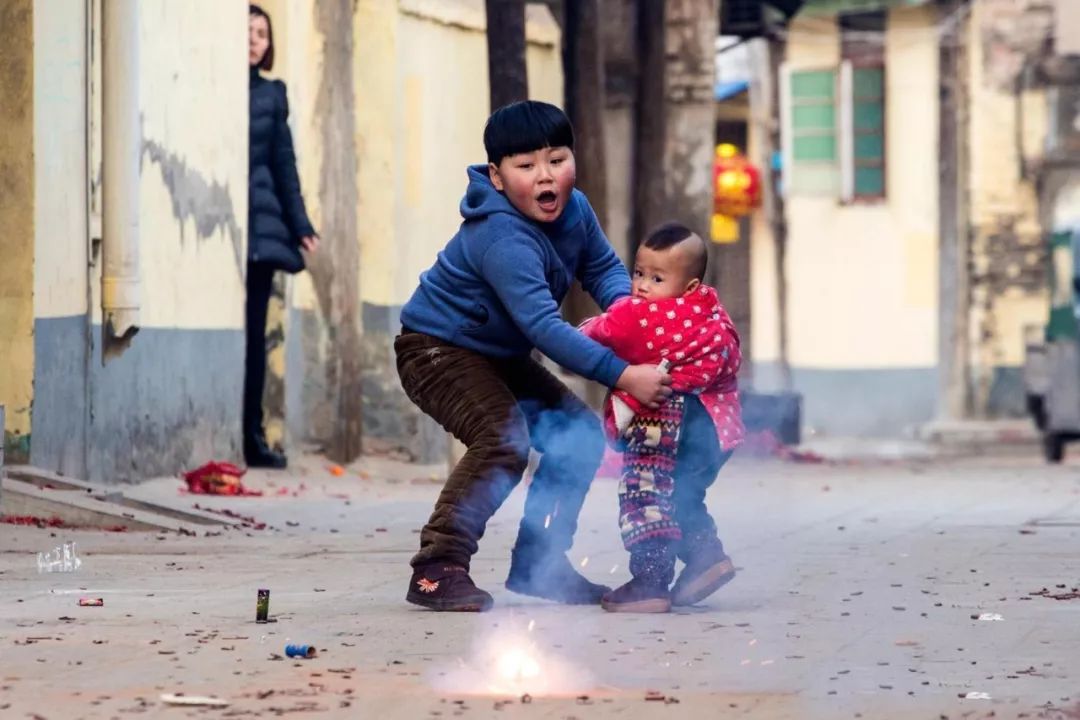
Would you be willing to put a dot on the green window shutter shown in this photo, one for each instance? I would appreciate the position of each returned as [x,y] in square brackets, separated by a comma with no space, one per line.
[811,144]
[868,131]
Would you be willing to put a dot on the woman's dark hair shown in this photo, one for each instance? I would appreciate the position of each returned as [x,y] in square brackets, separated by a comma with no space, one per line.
[526,126]
[671,234]
[267,62]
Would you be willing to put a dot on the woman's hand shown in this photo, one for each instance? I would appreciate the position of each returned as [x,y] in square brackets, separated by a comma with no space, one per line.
[648,384]
[310,243]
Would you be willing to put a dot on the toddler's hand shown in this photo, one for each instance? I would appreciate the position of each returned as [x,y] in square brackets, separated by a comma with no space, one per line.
[648,384]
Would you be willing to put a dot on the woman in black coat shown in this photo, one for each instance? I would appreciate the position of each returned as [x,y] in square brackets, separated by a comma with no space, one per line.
[278,224]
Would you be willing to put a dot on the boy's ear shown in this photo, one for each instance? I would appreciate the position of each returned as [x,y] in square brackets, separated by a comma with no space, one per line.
[496,179]
[692,286]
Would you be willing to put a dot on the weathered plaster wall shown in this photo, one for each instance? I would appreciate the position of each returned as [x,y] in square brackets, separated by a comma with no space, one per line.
[862,277]
[172,399]
[17,223]
[60,238]
[1007,243]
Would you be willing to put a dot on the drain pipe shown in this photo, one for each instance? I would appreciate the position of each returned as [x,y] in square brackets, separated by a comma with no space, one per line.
[121,150]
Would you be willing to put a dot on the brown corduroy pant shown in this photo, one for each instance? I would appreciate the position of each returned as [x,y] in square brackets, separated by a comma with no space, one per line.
[500,408]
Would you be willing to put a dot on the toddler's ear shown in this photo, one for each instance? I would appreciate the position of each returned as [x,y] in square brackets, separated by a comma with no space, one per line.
[692,286]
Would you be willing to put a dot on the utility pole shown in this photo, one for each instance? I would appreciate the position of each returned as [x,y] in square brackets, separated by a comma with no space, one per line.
[507,73]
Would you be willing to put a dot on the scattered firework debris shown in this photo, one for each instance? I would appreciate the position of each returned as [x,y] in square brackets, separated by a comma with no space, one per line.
[247,520]
[1073,594]
[218,478]
[53,522]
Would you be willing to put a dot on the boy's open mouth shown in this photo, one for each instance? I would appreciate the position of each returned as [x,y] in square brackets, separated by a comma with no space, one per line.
[547,201]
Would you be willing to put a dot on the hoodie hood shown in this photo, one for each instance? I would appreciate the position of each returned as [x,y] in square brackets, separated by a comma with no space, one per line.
[482,199]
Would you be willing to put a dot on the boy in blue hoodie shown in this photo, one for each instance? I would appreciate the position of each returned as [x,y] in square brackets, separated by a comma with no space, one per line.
[463,357]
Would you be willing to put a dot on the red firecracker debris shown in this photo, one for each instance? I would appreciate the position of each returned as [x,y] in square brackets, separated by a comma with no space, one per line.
[52,522]
[245,519]
[1071,594]
[217,478]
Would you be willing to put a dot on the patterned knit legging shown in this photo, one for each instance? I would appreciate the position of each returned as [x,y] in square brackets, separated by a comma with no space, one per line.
[646,510]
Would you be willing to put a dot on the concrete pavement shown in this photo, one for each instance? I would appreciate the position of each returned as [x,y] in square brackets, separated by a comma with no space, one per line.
[856,597]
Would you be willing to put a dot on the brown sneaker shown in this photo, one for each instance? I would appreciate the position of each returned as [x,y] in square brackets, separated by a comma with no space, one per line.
[704,574]
[447,588]
[638,596]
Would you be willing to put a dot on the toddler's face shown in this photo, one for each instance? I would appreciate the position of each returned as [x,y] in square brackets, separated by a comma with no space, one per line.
[662,274]
[537,183]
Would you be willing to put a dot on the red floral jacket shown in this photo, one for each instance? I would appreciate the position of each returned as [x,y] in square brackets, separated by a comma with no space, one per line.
[695,335]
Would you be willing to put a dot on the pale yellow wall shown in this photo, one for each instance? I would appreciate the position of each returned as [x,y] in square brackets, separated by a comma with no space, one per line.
[194,102]
[420,80]
[764,304]
[813,42]
[193,87]
[60,208]
[441,110]
[17,215]
[863,278]
[298,62]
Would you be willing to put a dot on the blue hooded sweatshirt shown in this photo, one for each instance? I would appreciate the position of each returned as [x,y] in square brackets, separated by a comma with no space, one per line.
[497,286]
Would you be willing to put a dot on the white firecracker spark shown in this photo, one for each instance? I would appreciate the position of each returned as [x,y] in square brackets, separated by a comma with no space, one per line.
[509,663]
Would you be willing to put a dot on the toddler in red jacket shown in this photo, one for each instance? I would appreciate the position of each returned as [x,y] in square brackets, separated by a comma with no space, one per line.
[672,454]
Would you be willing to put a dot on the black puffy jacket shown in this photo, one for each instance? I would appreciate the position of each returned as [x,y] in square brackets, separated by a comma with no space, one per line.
[277,218]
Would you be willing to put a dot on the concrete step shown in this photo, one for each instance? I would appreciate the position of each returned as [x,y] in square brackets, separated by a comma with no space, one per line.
[32,491]
[981,436]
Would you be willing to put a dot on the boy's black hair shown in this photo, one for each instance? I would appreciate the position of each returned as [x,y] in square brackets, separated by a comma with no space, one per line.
[267,62]
[671,234]
[526,126]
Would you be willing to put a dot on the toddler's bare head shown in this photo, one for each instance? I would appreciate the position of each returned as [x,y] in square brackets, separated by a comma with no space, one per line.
[670,263]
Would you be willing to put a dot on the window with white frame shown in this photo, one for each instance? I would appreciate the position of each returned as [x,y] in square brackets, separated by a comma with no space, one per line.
[834,118]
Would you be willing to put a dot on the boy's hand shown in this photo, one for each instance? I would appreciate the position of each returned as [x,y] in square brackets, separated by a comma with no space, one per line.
[649,385]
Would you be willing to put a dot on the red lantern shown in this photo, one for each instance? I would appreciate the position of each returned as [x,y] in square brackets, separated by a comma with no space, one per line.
[736,183]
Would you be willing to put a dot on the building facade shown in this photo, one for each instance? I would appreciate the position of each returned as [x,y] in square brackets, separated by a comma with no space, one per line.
[916,248]
[388,101]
